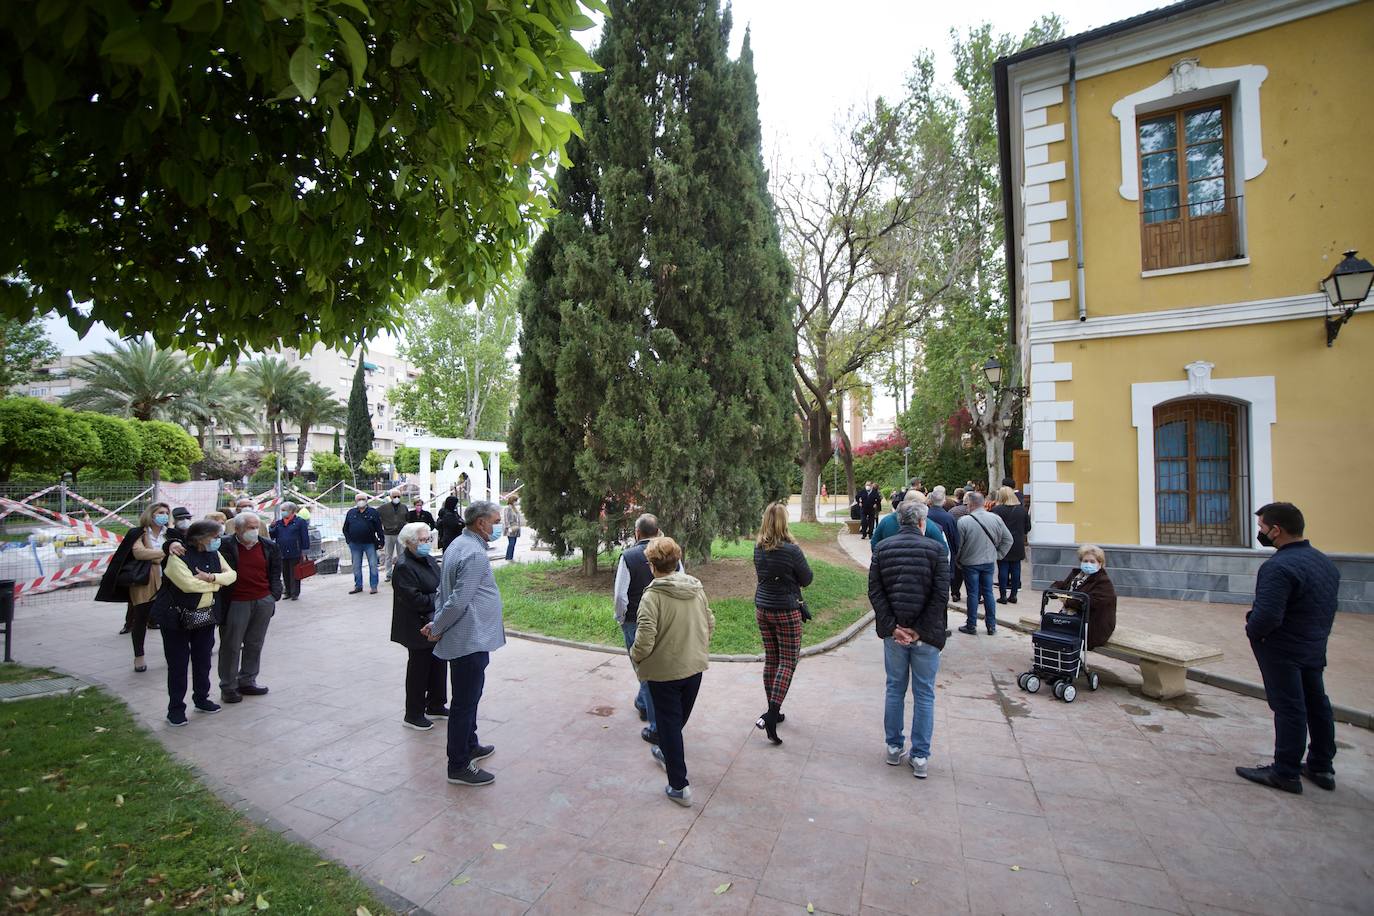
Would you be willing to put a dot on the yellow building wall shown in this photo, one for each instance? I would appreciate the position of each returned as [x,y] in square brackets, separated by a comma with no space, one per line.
[1323,441]
[1314,199]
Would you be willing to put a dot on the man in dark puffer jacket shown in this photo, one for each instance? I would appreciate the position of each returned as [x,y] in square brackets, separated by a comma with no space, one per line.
[908,586]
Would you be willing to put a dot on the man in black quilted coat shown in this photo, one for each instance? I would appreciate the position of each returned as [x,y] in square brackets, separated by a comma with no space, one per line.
[908,586]
[1288,626]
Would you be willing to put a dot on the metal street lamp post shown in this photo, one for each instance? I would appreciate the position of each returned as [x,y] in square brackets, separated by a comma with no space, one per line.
[1346,287]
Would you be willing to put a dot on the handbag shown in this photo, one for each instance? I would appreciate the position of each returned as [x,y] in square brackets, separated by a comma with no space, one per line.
[134,572]
[197,618]
[305,568]
[801,606]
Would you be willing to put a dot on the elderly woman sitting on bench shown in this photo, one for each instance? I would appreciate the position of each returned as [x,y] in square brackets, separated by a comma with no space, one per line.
[1091,578]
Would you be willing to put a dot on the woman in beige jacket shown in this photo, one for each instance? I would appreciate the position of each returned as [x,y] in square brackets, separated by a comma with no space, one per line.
[147,547]
[671,649]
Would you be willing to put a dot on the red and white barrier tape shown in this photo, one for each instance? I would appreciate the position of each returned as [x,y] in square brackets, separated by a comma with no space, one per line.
[91,569]
[95,505]
[84,527]
[25,500]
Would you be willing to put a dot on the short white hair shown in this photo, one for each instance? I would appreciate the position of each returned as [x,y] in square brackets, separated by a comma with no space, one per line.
[938,493]
[410,534]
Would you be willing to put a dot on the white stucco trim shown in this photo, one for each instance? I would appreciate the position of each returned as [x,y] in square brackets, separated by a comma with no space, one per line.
[1193,318]
[1256,392]
[1185,82]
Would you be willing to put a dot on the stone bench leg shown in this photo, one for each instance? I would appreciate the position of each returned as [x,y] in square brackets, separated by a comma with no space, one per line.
[1162,681]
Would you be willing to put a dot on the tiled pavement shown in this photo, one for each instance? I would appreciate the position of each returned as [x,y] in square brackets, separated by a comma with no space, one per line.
[1113,804]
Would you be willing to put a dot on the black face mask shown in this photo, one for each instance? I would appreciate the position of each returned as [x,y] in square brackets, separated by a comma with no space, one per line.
[1263,538]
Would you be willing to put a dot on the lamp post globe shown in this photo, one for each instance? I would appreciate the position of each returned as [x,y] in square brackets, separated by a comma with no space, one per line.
[992,371]
[1346,287]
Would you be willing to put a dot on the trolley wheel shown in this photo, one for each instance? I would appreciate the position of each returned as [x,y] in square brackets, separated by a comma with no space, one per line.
[1021,679]
[1059,690]
[1068,693]
[1094,681]
[1032,684]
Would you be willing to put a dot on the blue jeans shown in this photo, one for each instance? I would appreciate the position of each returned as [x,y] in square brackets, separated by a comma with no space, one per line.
[978,586]
[510,547]
[643,700]
[917,665]
[1008,576]
[359,551]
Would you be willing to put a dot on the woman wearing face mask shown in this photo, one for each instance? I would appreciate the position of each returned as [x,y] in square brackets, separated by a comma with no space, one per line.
[413,587]
[135,574]
[1091,578]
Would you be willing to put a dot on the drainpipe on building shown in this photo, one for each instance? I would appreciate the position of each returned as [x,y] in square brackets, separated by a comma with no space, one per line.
[1077,183]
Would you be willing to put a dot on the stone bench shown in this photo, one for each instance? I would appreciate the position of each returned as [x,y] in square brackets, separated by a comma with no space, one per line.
[852,524]
[1164,661]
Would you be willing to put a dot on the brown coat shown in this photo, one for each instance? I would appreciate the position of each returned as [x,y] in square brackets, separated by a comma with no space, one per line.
[1101,603]
[142,594]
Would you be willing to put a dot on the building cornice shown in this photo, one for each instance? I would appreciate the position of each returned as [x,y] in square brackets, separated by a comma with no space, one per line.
[1262,311]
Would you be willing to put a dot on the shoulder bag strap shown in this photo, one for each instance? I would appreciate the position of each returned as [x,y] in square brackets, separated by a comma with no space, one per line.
[990,538]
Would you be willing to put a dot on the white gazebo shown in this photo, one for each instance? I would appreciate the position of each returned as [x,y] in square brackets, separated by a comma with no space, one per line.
[464,457]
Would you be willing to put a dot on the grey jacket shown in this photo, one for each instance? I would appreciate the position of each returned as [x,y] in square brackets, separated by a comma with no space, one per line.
[982,543]
[469,618]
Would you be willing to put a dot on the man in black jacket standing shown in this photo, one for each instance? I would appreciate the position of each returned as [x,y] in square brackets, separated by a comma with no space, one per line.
[1288,626]
[908,586]
[632,576]
[870,502]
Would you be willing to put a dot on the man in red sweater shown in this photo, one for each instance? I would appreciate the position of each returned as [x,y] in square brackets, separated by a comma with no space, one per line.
[252,600]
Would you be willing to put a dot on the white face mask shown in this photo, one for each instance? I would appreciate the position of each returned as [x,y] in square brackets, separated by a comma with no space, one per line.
[361,505]
[249,537]
[396,500]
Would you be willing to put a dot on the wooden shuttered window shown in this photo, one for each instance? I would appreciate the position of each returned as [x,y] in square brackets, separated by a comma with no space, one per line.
[1201,473]
[1189,211]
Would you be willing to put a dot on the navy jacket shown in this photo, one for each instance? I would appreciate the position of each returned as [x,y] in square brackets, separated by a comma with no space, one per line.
[871,500]
[948,525]
[1295,603]
[783,572]
[363,527]
[293,538]
[908,585]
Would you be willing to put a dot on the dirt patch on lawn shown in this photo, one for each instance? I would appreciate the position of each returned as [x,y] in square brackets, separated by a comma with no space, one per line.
[728,578]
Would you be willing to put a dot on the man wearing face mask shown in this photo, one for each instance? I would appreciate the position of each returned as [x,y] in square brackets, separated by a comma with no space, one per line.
[247,607]
[1288,626]
[181,520]
[1091,578]
[362,531]
[393,514]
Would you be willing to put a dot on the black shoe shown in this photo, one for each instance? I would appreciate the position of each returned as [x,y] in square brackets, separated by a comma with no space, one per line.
[1325,781]
[440,713]
[992,631]
[1001,599]
[124,631]
[420,725]
[1266,776]
[252,690]
[770,723]
[972,631]
[207,705]
[650,735]
[154,626]
[176,719]
[955,599]
[356,590]
[231,696]
[643,713]
[372,591]
[471,776]
[482,752]
[1011,599]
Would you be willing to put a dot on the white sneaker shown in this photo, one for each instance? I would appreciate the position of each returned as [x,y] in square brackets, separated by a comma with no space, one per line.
[894,756]
[918,767]
[681,796]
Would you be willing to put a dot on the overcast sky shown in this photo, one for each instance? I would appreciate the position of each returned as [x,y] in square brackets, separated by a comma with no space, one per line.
[817,58]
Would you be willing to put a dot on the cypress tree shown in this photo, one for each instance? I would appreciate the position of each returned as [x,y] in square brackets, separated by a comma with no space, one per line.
[338,450]
[656,342]
[359,432]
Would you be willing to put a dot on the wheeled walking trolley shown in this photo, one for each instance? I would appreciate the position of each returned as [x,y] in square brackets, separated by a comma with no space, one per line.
[1058,646]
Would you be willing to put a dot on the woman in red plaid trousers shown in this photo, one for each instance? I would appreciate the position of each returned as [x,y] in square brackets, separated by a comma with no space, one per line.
[782,573]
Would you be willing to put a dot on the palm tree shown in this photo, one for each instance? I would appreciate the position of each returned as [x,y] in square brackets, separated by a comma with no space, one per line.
[136,379]
[316,406]
[277,386]
[219,399]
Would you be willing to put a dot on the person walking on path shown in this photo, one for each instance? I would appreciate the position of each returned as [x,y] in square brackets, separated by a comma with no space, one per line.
[671,649]
[393,515]
[468,627]
[632,575]
[135,575]
[247,607]
[1288,626]
[782,573]
[292,536]
[450,523]
[186,610]
[414,589]
[983,540]
[1014,515]
[908,585]
[870,503]
[512,520]
[362,531]
[889,524]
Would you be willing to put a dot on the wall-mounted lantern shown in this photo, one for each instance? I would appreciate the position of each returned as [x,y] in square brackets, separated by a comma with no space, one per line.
[1346,287]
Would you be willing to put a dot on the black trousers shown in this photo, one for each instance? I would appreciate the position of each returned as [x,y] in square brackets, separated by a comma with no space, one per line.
[291,586]
[468,674]
[870,518]
[673,702]
[180,647]
[426,682]
[137,622]
[1298,699]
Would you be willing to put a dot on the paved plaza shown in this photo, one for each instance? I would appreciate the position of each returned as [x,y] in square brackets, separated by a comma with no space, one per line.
[1114,804]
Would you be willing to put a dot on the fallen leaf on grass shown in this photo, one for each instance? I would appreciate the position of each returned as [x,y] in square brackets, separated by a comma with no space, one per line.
[262,903]
[100,729]
[322,863]
[498,845]
[362,911]
[81,826]
[58,861]
[119,801]
[16,892]
[48,777]
[22,789]
[419,858]
[723,888]
[460,880]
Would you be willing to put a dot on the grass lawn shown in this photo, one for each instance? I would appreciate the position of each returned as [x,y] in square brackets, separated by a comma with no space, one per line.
[97,817]
[554,599]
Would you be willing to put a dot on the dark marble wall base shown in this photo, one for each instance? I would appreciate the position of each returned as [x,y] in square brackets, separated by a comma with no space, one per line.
[1196,573]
